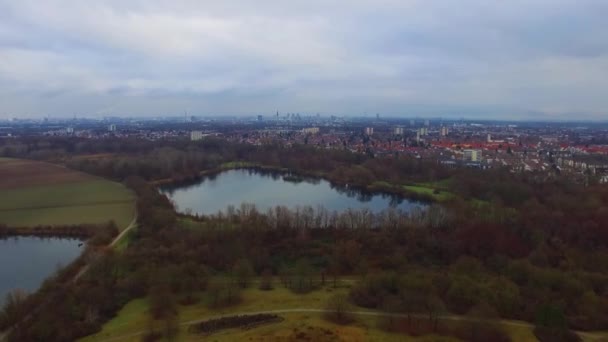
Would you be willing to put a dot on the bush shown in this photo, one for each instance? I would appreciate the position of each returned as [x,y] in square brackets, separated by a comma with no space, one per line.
[545,334]
[239,321]
[338,310]
[266,281]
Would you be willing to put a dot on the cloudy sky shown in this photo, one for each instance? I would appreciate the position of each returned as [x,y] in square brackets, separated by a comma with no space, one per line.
[540,59]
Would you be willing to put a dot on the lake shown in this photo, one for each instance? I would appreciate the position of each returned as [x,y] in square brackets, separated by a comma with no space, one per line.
[268,190]
[25,262]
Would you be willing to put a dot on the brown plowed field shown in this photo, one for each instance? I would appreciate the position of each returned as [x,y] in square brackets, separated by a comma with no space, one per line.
[16,173]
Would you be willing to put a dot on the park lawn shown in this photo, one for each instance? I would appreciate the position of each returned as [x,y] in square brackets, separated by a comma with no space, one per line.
[443,195]
[313,327]
[420,188]
[133,318]
[36,193]
[441,184]
[521,333]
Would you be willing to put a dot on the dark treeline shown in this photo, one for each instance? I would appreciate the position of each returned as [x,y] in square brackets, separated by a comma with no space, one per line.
[184,159]
[522,246]
[98,234]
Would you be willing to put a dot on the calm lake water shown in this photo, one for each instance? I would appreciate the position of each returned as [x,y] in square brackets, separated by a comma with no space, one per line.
[25,262]
[268,190]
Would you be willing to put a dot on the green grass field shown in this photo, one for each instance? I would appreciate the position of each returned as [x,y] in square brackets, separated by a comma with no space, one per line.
[35,193]
[134,319]
[134,316]
[430,191]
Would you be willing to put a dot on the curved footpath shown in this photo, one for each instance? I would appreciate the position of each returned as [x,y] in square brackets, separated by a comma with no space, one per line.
[586,336]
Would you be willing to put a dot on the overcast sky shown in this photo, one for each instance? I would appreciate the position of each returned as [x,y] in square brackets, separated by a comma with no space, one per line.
[540,59]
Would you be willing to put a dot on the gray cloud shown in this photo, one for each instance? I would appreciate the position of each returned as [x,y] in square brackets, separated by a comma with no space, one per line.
[439,57]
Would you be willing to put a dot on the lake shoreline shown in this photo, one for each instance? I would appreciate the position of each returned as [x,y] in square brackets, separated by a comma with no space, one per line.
[379,189]
[267,187]
[81,232]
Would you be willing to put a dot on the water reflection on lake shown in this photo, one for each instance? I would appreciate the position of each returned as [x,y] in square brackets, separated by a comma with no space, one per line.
[271,189]
[25,262]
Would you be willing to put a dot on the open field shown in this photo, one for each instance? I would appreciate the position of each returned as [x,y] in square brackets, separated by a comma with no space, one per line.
[133,318]
[442,195]
[36,193]
[298,324]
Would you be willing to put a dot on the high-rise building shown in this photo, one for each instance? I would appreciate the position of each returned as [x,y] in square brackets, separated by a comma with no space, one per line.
[427,123]
[311,130]
[472,155]
[444,131]
[112,128]
[398,131]
[196,135]
[369,130]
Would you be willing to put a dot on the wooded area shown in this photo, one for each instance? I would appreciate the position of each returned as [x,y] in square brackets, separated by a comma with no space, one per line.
[517,245]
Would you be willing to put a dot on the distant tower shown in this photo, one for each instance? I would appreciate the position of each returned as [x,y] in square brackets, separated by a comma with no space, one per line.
[489,138]
[377,116]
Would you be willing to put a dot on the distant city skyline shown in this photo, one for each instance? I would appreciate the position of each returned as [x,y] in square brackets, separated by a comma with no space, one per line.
[511,60]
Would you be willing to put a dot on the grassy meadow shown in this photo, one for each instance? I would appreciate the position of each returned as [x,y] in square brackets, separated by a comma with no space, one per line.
[134,318]
[36,193]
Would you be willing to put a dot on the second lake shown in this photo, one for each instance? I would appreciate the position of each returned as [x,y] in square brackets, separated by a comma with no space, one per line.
[267,190]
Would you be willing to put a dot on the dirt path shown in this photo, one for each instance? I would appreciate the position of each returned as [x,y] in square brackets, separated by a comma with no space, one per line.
[125,231]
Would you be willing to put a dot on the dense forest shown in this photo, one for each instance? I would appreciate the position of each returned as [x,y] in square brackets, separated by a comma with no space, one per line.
[523,246]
